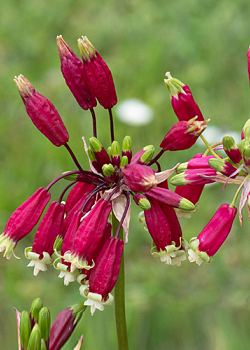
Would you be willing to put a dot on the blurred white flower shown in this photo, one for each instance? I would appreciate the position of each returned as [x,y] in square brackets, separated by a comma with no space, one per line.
[134,112]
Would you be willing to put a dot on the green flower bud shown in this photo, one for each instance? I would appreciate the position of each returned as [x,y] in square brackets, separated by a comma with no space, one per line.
[243,143]
[144,204]
[95,144]
[35,339]
[124,161]
[91,154]
[109,151]
[127,144]
[44,323]
[108,170]
[43,345]
[25,329]
[148,155]
[35,308]
[115,149]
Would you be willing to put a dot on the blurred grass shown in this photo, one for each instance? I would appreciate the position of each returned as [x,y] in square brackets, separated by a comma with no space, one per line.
[204,44]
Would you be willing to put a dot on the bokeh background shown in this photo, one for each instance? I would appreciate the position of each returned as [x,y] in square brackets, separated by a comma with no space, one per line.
[204,44]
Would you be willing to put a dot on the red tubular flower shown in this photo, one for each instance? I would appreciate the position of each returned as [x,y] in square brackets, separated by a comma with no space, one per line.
[97,73]
[42,112]
[182,100]
[49,228]
[77,192]
[165,230]
[73,72]
[104,275]
[90,234]
[197,162]
[183,135]
[138,177]
[222,166]
[64,325]
[213,235]
[170,198]
[23,220]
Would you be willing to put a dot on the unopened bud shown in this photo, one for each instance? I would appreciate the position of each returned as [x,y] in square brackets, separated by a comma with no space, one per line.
[246,156]
[148,155]
[127,147]
[35,308]
[44,323]
[115,153]
[124,161]
[108,170]
[25,329]
[141,201]
[231,149]
[35,339]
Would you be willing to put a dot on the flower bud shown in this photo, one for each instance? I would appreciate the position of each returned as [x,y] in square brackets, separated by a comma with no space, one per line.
[44,324]
[35,339]
[139,178]
[124,162]
[127,147]
[115,154]
[73,73]
[23,220]
[192,193]
[183,135]
[35,308]
[42,112]
[143,156]
[213,235]
[108,170]
[231,149]
[99,151]
[246,156]
[25,329]
[193,177]
[222,166]
[141,201]
[197,162]
[182,99]
[64,325]
[97,73]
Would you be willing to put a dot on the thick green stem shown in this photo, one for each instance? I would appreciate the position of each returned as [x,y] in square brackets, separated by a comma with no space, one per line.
[121,327]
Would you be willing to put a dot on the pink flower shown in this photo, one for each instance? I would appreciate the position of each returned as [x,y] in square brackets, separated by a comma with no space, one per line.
[104,275]
[139,177]
[42,112]
[97,73]
[183,135]
[182,100]
[213,235]
[73,72]
[23,220]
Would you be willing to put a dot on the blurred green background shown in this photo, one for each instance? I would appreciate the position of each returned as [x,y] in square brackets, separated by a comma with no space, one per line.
[202,43]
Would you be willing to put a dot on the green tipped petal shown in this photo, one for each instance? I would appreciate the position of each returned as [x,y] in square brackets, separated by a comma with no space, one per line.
[174,85]
[186,205]
[181,167]
[78,310]
[178,180]
[144,204]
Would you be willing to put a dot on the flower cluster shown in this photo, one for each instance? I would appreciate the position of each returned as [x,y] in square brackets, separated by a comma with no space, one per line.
[74,235]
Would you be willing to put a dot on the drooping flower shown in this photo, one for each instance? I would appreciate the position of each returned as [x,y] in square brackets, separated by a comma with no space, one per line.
[23,220]
[212,236]
[104,275]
